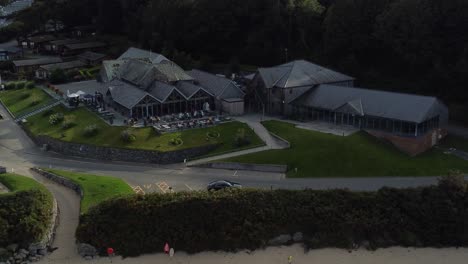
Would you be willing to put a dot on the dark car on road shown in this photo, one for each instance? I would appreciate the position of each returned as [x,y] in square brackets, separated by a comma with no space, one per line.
[223,184]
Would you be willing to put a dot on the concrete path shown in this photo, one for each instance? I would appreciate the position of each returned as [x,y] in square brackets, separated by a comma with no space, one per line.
[227,155]
[3,189]
[254,122]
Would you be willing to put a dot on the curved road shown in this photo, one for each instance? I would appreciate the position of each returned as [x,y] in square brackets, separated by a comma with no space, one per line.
[18,153]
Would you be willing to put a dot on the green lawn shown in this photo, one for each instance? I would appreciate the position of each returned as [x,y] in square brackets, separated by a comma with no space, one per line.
[146,138]
[317,154]
[455,142]
[95,188]
[16,183]
[22,101]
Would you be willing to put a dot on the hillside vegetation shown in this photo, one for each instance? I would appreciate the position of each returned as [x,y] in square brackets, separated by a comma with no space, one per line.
[246,219]
[24,212]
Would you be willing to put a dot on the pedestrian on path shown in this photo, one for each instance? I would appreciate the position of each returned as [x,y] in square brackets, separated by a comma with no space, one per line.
[290,259]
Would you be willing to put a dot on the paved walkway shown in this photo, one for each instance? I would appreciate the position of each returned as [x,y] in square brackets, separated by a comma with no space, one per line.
[254,122]
[227,155]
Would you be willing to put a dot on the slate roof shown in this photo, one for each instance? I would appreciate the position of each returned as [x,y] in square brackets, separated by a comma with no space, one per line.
[135,53]
[64,41]
[85,45]
[144,73]
[41,38]
[399,106]
[64,65]
[189,89]
[300,73]
[110,69]
[92,56]
[218,86]
[32,62]
[161,91]
[125,94]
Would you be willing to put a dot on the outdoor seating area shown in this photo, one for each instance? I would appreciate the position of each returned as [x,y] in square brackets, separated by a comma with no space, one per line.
[186,121]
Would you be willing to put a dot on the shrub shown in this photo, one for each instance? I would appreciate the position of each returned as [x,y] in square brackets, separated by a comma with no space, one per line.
[34,102]
[10,86]
[20,85]
[241,138]
[91,130]
[68,122]
[30,85]
[55,118]
[213,134]
[176,141]
[127,136]
[429,217]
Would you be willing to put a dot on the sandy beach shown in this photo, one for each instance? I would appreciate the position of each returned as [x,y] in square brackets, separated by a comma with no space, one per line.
[279,255]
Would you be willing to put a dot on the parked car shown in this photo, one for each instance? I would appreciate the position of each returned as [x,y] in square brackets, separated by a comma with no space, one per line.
[223,184]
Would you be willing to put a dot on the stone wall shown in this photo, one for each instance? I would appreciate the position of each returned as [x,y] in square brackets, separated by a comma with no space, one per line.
[60,180]
[245,166]
[412,145]
[118,154]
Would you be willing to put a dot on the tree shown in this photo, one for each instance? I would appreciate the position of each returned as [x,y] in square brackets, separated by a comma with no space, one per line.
[58,76]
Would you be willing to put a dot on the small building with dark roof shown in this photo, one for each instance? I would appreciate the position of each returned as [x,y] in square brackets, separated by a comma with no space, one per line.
[10,53]
[30,66]
[77,48]
[57,46]
[37,42]
[44,71]
[91,58]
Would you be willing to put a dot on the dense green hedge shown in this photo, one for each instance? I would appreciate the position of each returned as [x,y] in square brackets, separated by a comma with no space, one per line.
[25,213]
[230,220]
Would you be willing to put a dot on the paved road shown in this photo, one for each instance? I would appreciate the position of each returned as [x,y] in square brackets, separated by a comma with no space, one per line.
[18,152]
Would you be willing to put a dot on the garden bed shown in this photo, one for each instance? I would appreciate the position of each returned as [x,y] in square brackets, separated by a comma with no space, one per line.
[141,138]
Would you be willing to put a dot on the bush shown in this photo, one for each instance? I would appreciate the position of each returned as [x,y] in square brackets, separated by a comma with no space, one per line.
[127,136]
[176,141]
[68,122]
[10,86]
[241,138]
[55,118]
[34,102]
[91,130]
[20,85]
[428,217]
[22,217]
[30,85]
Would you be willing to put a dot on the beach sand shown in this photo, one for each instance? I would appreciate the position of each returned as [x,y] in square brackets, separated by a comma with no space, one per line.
[279,255]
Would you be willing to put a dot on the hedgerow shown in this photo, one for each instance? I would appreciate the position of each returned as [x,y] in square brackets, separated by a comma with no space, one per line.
[246,219]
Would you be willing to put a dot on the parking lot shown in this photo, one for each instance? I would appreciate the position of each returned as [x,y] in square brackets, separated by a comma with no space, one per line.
[164,187]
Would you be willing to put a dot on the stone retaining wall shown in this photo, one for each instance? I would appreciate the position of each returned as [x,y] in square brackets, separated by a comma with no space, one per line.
[245,166]
[60,180]
[118,154]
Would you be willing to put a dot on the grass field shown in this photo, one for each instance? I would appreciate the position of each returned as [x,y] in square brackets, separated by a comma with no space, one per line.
[455,142]
[16,183]
[22,101]
[146,138]
[317,154]
[95,188]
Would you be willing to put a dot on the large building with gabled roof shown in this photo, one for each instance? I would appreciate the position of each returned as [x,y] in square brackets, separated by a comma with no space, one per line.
[142,84]
[307,91]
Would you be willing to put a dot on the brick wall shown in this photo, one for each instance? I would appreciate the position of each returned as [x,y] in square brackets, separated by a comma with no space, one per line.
[411,145]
